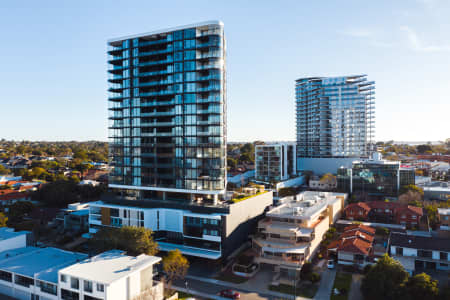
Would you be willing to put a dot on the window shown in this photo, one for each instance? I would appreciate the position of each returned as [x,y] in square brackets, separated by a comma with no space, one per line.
[63,278]
[74,283]
[443,255]
[403,216]
[399,251]
[100,287]
[6,276]
[87,286]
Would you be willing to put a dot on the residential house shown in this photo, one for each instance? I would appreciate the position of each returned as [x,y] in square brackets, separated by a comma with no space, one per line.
[420,253]
[354,246]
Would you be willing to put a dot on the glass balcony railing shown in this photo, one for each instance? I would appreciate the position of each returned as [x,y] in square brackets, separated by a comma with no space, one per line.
[212,54]
[155,42]
[209,77]
[208,88]
[163,72]
[209,66]
[147,53]
[159,93]
[157,103]
[153,83]
[158,62]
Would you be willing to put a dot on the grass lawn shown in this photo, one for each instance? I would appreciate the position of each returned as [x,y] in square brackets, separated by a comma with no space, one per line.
[307,290]
[342,280]
[230,277]
[183,295]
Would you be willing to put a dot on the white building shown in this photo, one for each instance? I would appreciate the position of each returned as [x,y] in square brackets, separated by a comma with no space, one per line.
[32,273]
[9,239]
[110,276]
[419,253]
[275,162]
[291,233]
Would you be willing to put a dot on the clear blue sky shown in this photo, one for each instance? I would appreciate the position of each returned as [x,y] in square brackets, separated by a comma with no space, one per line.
[53,61]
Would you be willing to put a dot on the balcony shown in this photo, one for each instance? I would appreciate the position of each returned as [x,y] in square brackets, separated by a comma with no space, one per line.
[158,113]
[158,62]
[155,42]
[209,66]
[159,93]
[157,103]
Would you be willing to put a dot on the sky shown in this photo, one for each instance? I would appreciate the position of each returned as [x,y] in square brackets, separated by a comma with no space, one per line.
[54,80]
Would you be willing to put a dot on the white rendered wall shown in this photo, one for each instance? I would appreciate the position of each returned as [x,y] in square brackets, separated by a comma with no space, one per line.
[14,243]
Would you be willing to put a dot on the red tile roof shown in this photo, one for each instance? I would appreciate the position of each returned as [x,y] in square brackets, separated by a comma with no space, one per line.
[358,205]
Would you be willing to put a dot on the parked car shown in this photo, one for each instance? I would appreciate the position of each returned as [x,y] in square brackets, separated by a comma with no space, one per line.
[330,264]
[230,294]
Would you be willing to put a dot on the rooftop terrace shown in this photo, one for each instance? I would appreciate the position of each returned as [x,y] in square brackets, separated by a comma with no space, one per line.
[305,205]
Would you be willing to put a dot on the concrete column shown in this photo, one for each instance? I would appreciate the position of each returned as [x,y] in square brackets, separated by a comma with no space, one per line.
[192,197]
[164,196]
[215,199]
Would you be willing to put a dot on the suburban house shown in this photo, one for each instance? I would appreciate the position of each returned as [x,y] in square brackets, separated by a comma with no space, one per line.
[418,253]
[384,212]
[354,246]
[291,232]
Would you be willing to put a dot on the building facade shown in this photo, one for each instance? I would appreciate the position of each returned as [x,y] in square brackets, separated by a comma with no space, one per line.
[275,162]
[335,121]
[420,253]
[375,178]
[291,233]
[111,275]
[167,104]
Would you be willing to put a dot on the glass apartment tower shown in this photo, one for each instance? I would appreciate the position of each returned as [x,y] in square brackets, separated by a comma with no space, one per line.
[335,116]
[167,103]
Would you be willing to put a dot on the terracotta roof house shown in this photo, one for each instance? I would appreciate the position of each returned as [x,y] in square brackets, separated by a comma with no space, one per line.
[384,212]
[354,246]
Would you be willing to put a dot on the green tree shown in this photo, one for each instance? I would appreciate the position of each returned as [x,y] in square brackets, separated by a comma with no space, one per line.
[175,265]
[424,148]
[421,286]
[411,187]
[231,162]
[3,220]
[328,179]
[385,280]
[287,191]
[133,240]
[3,170]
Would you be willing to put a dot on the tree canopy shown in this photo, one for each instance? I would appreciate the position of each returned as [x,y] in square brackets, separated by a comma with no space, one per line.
[385,280]
[133,240]
[175,265]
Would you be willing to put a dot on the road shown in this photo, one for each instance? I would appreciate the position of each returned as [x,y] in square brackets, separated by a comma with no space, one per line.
[211,290]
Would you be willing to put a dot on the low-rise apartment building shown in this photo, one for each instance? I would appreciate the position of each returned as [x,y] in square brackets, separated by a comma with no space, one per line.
[291,233]
[385,212]
[32,273]
[110,276]
[10,239]
[420,253]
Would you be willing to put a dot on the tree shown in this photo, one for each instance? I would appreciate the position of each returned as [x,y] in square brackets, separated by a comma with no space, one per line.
[329,179]
[382,231]
[175,265]
[385,280]
[3,170]
[424,148]
[231,162]
[306,271]
[413,198]
[287,191]
[3,220]
[133,240]
[421,286]
[411,187]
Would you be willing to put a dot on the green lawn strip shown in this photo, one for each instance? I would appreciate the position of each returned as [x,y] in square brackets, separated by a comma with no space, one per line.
[305,290]
[236,200]
[342,280]
[183,295]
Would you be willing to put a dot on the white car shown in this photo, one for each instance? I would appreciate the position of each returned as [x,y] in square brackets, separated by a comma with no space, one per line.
[330,264]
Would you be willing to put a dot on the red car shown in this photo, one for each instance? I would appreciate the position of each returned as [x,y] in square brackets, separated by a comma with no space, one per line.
[230,294]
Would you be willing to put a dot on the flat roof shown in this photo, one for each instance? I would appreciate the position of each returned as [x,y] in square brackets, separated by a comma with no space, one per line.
[164,30]
[8,233]
[444,211]
[42,262]
[309,204]
[109,266]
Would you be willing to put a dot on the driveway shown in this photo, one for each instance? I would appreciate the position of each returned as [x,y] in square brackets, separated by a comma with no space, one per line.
[326,284]
[355,288]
